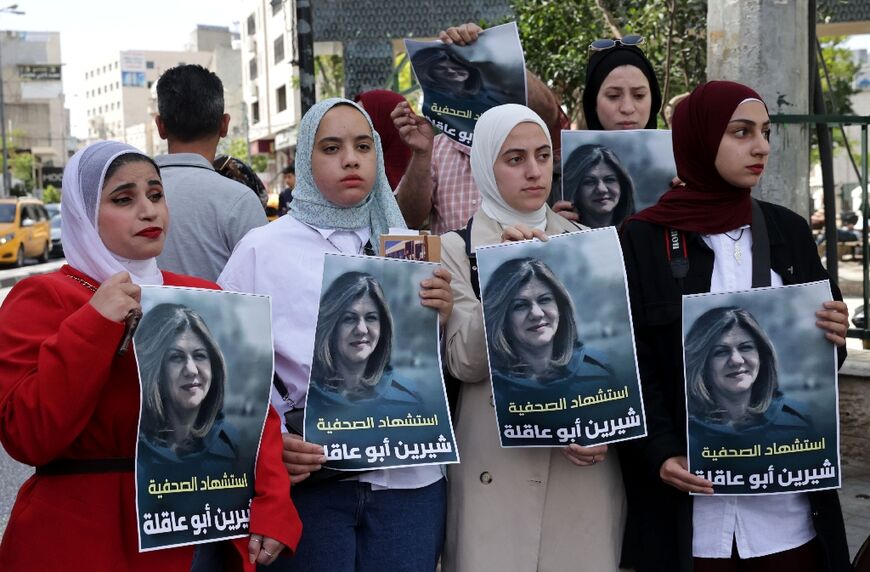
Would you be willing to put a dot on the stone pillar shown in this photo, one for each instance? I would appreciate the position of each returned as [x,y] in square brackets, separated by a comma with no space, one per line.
[764,44]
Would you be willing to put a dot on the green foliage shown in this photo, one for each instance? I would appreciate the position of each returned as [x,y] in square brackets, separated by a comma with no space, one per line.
[50,195]
[21,165]
[237,148]
[838,91]
[259,163]
[556,36]
[329,75]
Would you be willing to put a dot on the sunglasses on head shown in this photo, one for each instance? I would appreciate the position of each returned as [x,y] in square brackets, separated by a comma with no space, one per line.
[606,44]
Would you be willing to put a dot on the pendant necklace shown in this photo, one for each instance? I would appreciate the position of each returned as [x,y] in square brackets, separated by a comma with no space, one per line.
[738,252]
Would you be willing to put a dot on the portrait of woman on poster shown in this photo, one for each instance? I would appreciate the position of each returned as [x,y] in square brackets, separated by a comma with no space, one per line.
[183,384]
[440,69]
[533,342]
[599,186]
[353,343]
[732,387]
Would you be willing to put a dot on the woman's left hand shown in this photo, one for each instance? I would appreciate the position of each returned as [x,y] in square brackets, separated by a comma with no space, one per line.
[460,35]
[834,319]
[263,550]
[585,456]
[521,231]
[436,293]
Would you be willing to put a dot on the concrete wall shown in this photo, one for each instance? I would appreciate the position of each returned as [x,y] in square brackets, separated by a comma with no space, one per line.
[764,44]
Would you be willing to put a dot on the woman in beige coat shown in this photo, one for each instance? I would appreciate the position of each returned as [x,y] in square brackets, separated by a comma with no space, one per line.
[519,509]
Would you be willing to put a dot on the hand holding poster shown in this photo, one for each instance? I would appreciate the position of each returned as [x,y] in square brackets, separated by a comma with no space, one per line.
[560,343]
[761,391]
[376,398]
[205,370]
[461,82]
[610,175]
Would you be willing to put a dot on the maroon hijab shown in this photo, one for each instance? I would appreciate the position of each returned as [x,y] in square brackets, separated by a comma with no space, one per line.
[707,203]
[379,103]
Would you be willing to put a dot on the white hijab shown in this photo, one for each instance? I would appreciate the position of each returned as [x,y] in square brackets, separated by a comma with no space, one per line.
[491,130]
[83,180]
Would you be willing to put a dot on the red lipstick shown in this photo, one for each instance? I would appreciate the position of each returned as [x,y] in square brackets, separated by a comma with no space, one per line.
[756,169]
[150,232]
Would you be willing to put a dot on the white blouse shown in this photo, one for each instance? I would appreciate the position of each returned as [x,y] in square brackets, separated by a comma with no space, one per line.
[284,259]
[759,525]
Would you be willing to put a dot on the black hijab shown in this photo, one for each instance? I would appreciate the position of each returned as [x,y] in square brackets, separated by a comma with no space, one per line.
[601,64]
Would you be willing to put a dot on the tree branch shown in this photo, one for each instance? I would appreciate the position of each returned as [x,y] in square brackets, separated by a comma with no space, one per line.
[609,20]
[672,9]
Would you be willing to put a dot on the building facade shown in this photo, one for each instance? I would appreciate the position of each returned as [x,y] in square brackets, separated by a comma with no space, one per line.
[33,99]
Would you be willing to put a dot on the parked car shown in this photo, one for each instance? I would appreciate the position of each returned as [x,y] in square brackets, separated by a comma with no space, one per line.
[25,231]
[53,209]
[56,245]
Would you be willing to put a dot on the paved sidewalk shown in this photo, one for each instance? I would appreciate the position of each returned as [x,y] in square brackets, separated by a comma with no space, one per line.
[11,277]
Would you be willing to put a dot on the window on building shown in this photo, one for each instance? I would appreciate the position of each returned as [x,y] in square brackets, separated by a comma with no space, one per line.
[252,69]
[149,65]
[99,90]
[255,112]
[281,98]
[276,6]
[252,24]
[279,48]
[117,84]
[150,83]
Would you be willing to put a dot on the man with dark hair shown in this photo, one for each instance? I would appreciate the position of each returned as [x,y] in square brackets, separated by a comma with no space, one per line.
[210,213]
[286,195]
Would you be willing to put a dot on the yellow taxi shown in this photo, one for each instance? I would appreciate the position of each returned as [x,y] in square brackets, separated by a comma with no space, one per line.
[25,231]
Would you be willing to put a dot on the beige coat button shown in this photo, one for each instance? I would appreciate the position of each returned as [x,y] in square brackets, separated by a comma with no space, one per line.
[485,478]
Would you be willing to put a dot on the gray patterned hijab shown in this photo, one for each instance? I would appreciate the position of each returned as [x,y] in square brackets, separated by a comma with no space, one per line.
[378,211]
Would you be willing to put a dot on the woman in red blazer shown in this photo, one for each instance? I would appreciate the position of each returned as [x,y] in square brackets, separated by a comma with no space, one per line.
[69,405]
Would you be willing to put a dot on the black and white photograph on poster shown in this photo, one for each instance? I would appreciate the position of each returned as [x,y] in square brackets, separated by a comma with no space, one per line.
[205,364]
[376,397]
[459,83]
[610,175]
[761,391]
[559,337]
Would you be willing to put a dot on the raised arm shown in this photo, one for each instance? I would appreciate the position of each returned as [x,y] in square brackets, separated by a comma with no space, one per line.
[414,193]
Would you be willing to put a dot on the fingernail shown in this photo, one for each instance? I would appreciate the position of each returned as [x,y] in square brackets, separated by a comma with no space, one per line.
[252,558]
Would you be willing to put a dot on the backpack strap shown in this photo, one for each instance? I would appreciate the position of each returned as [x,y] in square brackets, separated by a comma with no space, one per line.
[465,233]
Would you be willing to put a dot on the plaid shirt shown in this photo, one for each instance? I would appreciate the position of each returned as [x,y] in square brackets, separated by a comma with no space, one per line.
[454,193]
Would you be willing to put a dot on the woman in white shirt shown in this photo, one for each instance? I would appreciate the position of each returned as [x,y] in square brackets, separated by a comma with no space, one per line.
[384,519]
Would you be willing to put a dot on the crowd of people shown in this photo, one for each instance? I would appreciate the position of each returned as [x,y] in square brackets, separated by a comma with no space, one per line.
[69,403]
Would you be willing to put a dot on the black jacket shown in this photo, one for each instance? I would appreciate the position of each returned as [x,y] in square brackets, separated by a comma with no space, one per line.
[658,534]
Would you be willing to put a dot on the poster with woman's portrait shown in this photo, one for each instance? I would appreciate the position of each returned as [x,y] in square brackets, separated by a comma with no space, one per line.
[610,175]
[459,83]
[376,398]
[560,343]
[761,391]
[205,364]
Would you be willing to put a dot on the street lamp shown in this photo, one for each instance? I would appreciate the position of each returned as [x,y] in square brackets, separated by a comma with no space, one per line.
[11,9]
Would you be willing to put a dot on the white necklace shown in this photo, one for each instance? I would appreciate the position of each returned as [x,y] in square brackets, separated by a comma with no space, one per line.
[738,252]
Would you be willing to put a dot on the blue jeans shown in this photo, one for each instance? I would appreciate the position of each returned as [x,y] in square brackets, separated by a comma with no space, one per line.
[348,527]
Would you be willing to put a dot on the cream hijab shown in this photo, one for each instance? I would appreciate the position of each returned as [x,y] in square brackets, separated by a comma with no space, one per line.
[83,180]
[491,130]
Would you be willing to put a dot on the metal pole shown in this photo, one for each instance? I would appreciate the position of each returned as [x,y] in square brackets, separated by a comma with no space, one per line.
[305,45]
[6,183]
[865,231]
